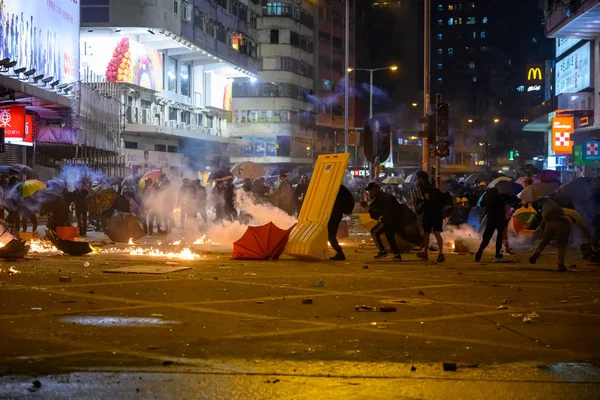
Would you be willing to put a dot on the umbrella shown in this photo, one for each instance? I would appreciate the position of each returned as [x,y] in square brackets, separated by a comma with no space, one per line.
[6,169]
[548,175]
[499,179]
[450,186]
[279,171]
[476,218]
[478,177]
[70,247]
[248,170]
[153,175]
[411,178]
[131,180]
[393,180]
[261,243]
[577,188]
[220,174]
[39,199]
[102,200]
[121,229]
[495,175]
[533,192]
[509,187]
[29,187]
[521,180]
[523,218]
[25,170]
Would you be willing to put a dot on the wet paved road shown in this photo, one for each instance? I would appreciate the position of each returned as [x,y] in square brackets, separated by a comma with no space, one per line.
[224,329]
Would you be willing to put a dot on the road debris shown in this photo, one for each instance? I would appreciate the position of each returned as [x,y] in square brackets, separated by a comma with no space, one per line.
[365,267]
[260,302]
[421,293]
[86,264]
[449,366]
[376,309]
[413,368]
[502,307]
[250,273]
[65,279]
[321,282]
[307,300]
[166,363]
[37,384]
[12,270]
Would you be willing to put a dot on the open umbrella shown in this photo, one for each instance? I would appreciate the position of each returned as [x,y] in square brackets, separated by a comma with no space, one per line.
[533,192]
[521,180]
[25,170]
[102,200]
[220,174]
[261,243]
[499,179]
[121,229]
[248,170]
[548,175]
[478,177]
[523,218]
[412,178]
[70,247]
[577,188]
[509,187]
[279,171]
[131,180]
[393,180]
[153,175]
[29,187]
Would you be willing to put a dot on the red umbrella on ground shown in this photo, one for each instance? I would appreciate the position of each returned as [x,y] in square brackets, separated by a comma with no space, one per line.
[261,243]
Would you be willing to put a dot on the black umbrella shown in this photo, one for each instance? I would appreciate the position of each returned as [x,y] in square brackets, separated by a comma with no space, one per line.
[121,229]
[131,180]
[69,247]
[220,174]
[509,187]
[25,170]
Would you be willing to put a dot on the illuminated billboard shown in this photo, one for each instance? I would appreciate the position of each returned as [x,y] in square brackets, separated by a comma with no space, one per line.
[42,35]
[573,72]
[17,125]
[123,60]
[562,128]
[563,45]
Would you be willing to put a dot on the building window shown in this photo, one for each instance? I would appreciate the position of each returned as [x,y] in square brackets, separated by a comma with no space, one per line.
[326,85]
[175,6]
[485,48]
[130,145]
[184,79]
[294,39]
[324,37]
[440,36]
[474,79]
[279,9]
[519,89]
[172,149]
[439,66]
[186,117]
[459,21]
[450,7]
[440,7]
[274,36]
[482,35]
[471,65]
[450,50]
[470,20]
[484,20]
[171,74]
[440,51]
[440,81]
[474,35]
[172,114]
[160,147]
[450,21]
[440,22]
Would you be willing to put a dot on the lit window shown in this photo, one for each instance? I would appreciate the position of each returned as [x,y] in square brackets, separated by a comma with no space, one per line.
[534,40]
[482,35]
[451,21]
[470,20]
[450,7]
[439,80]
[440,7]
[450,50]
[440,36]
[440,22]
[439,66]
[326,84]
[474,79]
[474,35]
[472,5]
[459,21]
[471,65]
[484,20]
[485,48]
[520,88]
[440,51]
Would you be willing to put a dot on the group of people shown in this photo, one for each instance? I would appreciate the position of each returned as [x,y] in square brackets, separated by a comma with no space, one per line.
[395,218]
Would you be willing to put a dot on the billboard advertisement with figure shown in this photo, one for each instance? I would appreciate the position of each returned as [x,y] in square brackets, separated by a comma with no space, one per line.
[42,35]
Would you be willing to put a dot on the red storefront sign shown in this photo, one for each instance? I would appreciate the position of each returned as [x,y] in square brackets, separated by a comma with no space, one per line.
[18,127]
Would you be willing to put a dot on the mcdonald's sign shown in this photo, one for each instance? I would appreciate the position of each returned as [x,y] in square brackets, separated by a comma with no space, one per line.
[535,73]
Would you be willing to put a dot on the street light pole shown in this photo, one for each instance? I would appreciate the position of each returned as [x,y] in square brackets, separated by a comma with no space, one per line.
[371,94]
[425,142]
[346,86]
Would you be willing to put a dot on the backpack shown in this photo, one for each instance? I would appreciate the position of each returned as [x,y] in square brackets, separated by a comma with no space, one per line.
[344,200]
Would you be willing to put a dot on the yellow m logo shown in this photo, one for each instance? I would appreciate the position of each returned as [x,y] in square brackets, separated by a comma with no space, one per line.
[534,74]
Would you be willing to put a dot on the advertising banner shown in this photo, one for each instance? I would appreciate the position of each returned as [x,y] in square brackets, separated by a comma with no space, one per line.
[563,45]
[591,151]
[42,35]
[17,125]
[573,72]
[146,160]
[123,60]
[562,128]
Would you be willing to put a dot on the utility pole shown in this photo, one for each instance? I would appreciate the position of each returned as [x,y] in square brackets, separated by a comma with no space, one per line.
[426,55]
[347,76]
[436,162]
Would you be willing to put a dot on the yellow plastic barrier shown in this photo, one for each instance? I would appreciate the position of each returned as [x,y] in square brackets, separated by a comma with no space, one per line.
[309,238]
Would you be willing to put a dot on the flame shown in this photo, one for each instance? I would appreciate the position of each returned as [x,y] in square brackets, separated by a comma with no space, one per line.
[204,240]
[176,243]
[41,246]
[12,271]
[130,241]
[185,254]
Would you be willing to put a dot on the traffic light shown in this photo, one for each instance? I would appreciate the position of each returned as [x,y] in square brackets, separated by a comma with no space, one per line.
[443,115]
[511,155]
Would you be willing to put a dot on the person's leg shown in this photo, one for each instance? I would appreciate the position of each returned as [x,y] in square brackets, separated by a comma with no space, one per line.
[547,235]
[487,236]
[332,229]
[500,228]
[24,223]
[562,240]
[376,233]
[34,223]
[505,240]
[390,235]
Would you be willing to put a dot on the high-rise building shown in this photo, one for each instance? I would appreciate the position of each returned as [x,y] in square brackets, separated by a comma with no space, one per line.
[274,114]
[175,63]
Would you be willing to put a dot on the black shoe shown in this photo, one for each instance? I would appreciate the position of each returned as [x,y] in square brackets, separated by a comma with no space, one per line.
[478,256]
[422,255]
[441,258]
[534,258]
[381,254]
[562,267]
[499,256]
[397,257]
[338,257]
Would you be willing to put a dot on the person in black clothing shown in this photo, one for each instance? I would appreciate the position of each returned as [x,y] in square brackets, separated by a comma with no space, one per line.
[79,198]
[344,204]
[432,209]
[495,205]
[390,214]
[300,192]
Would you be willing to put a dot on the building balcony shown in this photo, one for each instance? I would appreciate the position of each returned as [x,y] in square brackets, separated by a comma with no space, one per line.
[573,19]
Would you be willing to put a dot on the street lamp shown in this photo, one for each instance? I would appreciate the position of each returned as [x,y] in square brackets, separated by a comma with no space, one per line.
[371,70]
[414,104]
[470,121]
[496,120]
